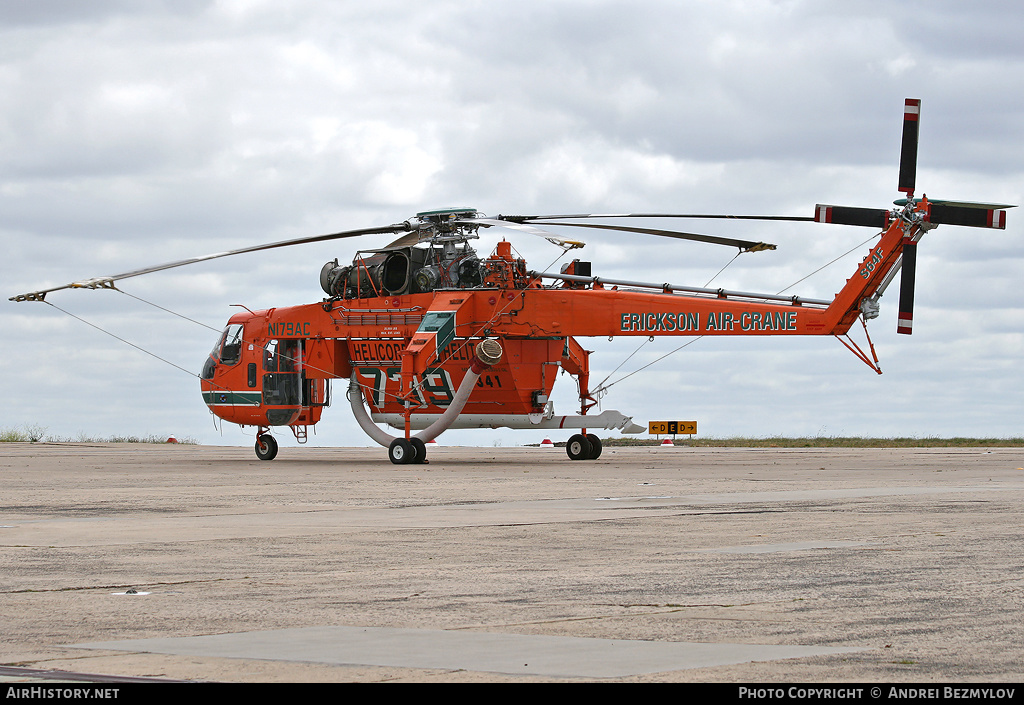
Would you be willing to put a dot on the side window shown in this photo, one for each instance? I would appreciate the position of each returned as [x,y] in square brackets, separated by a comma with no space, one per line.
[270,356]
[281,356]
[288,356]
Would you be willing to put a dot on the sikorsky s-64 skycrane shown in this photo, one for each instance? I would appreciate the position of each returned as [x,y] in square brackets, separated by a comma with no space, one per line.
[432,336]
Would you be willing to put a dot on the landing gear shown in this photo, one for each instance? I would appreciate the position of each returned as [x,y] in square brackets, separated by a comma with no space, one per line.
[405,451]
[400,452]
[266,447]
[421,450]
[581,447]
[578,447]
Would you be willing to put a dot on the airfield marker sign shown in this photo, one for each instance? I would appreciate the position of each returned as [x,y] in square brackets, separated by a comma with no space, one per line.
[666,428]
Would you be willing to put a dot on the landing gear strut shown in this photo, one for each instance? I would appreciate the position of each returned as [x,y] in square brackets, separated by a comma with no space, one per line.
[402,451]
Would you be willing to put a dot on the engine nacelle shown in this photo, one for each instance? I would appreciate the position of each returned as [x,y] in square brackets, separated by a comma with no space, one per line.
[334,278]
[407,270]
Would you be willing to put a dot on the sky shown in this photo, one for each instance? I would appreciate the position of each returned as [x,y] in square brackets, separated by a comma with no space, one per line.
[137,132]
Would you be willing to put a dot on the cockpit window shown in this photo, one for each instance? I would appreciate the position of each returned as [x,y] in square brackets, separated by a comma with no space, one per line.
[229,346]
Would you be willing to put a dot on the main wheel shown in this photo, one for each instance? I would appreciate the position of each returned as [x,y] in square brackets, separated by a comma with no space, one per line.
[266,447]
[595,447]
[578,447]
[401,452]
[421,450]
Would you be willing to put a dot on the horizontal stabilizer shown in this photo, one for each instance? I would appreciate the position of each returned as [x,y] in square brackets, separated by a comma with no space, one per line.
[608,420]
[846,215]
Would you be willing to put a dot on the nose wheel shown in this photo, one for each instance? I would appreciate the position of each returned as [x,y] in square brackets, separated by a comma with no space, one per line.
[266,447]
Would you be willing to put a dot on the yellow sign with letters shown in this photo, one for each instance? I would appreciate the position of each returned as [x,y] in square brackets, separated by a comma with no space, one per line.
[672,428]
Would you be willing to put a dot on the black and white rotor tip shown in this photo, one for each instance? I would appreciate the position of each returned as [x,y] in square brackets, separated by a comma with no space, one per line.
[907,184]
[849,215]
[908,150]
[905,319]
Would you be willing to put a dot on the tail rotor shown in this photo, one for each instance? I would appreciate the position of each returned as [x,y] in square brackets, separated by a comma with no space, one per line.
[916,215]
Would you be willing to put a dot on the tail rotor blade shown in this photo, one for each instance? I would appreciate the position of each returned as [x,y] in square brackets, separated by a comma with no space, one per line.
[905,322]
[847,215]
[966,215]
[908,152]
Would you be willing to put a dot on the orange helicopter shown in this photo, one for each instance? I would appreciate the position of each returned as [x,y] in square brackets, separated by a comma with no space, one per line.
[432,336]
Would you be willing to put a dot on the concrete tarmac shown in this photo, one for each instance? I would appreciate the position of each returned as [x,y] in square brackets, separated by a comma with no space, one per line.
[513,564]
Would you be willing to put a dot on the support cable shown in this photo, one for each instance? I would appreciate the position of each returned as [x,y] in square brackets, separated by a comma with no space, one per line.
[173,313]
[126,342]
[829,264]
[602,387]
[723,268]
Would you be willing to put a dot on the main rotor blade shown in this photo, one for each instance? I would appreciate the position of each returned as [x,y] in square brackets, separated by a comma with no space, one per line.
[745,245]
[106,282]
[908,149]
[407,240]
[562,242]
[706,216]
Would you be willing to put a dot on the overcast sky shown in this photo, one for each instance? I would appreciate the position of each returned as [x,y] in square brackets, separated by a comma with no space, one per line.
[135,132]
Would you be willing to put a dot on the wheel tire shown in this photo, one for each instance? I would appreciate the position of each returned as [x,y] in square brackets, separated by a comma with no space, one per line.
[421,450]
[401,452]
[595,447]
[578,447]
[266,447]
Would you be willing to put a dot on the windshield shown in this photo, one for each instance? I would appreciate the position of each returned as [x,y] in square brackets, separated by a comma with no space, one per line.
[229,345]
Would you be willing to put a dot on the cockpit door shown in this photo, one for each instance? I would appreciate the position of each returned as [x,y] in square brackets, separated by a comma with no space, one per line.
[282,380]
